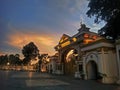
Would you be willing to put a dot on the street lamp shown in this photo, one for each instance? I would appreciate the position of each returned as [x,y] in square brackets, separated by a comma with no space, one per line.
[8,63]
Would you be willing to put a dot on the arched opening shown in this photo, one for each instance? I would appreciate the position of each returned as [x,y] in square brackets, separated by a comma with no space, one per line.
[92,70]
[69,62]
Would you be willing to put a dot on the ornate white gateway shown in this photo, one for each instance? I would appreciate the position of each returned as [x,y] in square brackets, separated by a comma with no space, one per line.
[86,55]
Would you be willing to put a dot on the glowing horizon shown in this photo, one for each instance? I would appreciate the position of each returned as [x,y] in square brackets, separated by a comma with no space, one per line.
[40,21]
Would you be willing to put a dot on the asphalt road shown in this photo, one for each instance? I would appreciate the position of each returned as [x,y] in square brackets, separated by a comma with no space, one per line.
[16,80]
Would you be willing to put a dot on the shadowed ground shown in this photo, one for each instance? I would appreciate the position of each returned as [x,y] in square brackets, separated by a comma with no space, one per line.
[13,80]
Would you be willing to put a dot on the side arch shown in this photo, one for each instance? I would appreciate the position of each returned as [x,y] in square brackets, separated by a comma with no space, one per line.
[91,65]
[92,70]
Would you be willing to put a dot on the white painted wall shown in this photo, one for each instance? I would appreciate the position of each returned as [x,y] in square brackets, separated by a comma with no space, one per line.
[106,62]
[109,67]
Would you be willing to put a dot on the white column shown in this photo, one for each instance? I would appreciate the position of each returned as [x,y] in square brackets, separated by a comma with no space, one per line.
[118,61]
[84,68]
[103,64]
[77,73]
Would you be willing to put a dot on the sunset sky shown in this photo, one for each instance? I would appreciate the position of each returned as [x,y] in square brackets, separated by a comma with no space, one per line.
[40,21]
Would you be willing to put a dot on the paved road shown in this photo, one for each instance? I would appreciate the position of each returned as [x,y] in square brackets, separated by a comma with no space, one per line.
[13,80]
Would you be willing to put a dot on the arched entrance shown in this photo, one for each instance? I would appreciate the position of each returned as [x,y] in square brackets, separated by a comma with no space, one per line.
[92,70]
[69,62]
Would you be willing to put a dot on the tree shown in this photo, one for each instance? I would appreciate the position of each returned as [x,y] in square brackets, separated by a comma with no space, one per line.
[11,59]
[30,51]
[42,60]
[18,60]
[14,59]
[109,11]
[3,59]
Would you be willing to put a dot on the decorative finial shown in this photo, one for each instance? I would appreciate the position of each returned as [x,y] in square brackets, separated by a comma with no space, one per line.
[81,20]
[82,25]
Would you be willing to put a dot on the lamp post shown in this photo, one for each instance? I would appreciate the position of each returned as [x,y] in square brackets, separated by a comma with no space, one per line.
[8,65]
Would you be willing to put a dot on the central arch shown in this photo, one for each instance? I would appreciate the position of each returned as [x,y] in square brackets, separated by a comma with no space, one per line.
[92,70]
[68,59]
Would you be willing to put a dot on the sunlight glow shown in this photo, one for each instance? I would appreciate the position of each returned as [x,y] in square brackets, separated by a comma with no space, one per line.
[86,41]
[34,61]
[69,56]
[30,74]
[45,43]
[65,44]
[74,39]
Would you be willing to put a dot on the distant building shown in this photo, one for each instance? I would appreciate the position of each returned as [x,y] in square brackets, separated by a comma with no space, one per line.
[87,55]
[53,65]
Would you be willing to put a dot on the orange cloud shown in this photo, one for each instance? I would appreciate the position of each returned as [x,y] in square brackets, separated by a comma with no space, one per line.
[1,53]
[44,42]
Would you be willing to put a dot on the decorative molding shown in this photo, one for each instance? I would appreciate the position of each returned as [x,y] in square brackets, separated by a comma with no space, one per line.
[93,54]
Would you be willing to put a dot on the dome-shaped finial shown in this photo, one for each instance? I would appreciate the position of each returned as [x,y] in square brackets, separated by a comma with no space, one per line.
[83,27]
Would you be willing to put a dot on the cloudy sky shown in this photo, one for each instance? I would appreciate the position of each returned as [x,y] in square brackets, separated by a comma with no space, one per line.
[40,21]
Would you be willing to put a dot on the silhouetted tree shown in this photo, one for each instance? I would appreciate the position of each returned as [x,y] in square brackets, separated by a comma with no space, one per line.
[12,59]
[18,60]
[30,51]
[3,59]
[39,62]
[109,11]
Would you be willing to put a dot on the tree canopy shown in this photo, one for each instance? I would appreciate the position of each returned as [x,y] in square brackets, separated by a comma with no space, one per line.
[30,51]
[109,11]
[12,59]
